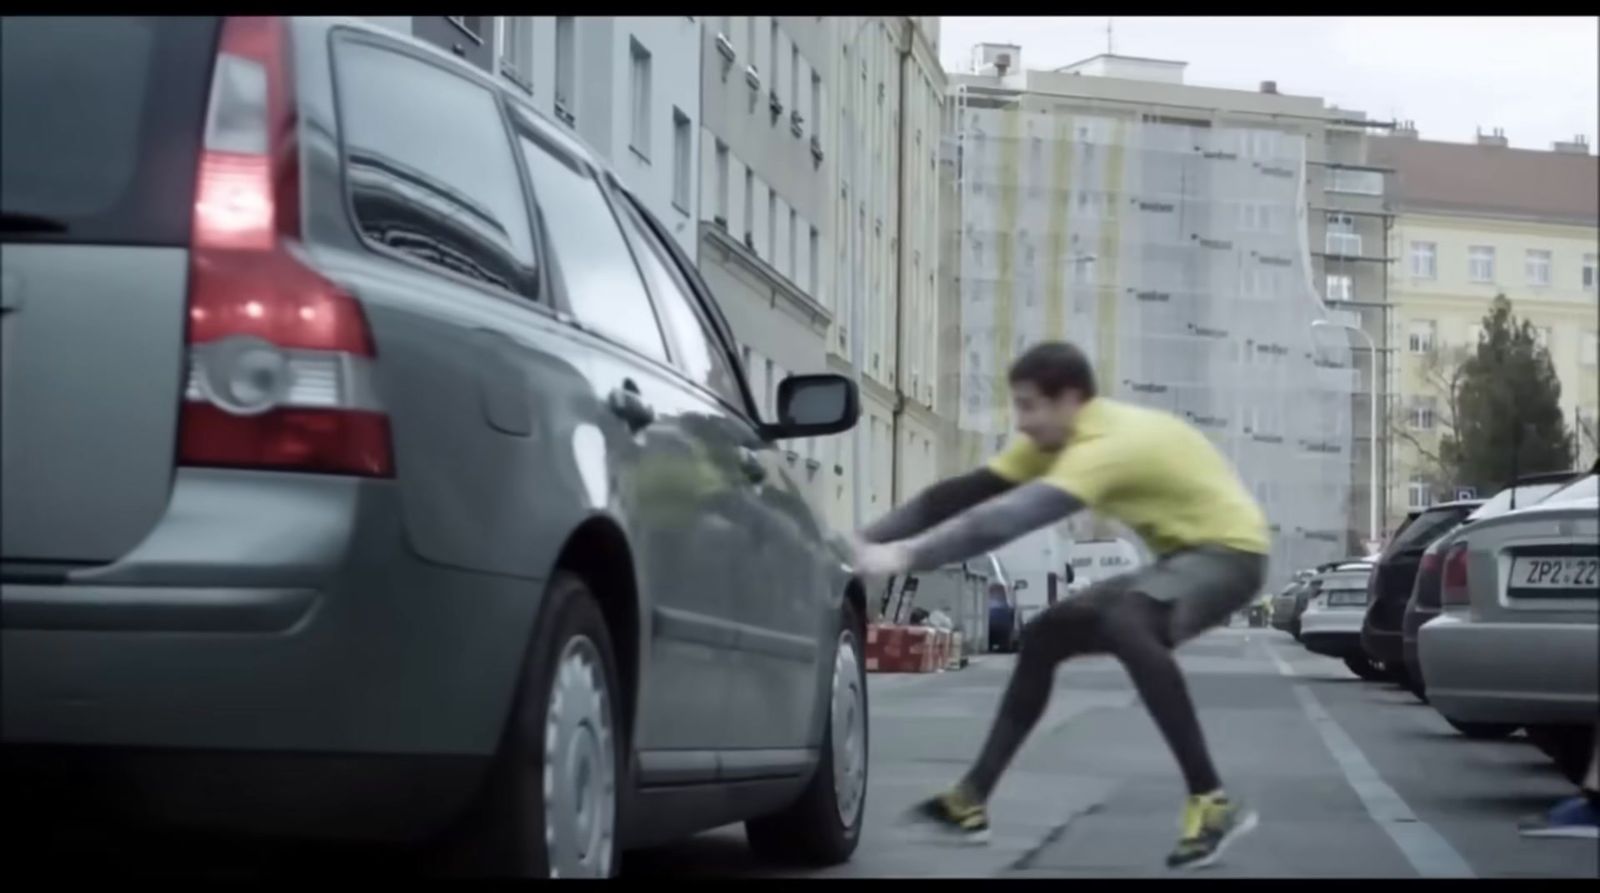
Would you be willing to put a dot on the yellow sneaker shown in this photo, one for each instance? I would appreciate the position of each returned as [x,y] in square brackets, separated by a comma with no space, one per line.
[1210,823]
[952,815]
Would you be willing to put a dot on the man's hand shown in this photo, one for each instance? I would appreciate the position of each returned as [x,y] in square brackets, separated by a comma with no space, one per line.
[880,560]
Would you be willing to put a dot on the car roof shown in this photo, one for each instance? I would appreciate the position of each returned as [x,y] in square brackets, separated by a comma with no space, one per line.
[1543,477]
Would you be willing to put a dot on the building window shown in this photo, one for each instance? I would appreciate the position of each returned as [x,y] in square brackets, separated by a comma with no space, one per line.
[772,226]
[515,36]
[722,182]
[1083,270]
[1422,411]
[682,158]
[794,78]
[1343,240]
[567,69]
[1355,182]
[639,133]
[1341,287]
[772,54]
[472,26]
[1480,263]
[750,40]
[1422,335]
[750,208]
[814,261]
[1538,267]
[1588,272]
[794,245]
[816,113]
[1589,352]
[1424,260]
[1418,494]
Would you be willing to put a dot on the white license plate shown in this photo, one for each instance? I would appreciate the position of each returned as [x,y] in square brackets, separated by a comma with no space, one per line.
[1555,573]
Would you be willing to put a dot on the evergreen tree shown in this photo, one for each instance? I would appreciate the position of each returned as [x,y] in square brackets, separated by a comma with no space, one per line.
[1508,409]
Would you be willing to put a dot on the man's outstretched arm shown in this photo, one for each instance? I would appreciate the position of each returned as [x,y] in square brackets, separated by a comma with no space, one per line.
[937,503]
[991,524]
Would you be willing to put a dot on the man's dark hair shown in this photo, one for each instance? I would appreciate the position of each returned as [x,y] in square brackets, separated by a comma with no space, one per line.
[1054,367]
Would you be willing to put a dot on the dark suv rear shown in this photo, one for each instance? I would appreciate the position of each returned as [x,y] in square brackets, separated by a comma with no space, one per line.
[1392,579]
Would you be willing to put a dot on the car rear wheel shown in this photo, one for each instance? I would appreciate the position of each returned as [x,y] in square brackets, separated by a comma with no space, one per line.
[1569,747]
[1482,731]
[1363,666]
[823,827]
[550,806]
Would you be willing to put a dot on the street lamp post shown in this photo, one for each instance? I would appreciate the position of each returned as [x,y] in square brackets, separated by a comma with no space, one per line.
[857,285]
[1372,424]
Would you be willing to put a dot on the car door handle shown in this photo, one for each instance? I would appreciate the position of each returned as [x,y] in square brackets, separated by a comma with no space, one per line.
[750,462]
[626,403]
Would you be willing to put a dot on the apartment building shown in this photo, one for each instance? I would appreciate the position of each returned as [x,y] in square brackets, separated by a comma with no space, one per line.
[629,85]
[1476,220]
[1187,237]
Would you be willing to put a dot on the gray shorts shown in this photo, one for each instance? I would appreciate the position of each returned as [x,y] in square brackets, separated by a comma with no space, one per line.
[1202,587]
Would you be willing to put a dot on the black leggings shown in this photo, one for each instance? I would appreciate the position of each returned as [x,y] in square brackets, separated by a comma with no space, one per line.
[1117,618]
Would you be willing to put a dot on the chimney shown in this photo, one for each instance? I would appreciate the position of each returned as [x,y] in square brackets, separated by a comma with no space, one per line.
[1579,145]
[1269,87]
[1406,130]
[1496,137]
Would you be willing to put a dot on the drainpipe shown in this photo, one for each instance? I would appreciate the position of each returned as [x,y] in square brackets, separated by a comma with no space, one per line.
[906,62]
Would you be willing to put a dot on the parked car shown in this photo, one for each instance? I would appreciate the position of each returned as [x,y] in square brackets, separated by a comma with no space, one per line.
[1392,576]
[1284,605]
[1518,642]
[1330,625]
[1422,604]
[1296,602]
[377,466]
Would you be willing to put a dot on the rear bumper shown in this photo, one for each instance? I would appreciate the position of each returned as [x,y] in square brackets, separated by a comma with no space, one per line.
[1333,633]
[304,634]
[1519,673]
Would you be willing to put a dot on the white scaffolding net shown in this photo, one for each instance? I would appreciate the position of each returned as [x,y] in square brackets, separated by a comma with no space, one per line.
[1176,257]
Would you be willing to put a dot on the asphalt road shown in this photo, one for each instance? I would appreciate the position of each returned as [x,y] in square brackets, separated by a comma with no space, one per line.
[1352,779]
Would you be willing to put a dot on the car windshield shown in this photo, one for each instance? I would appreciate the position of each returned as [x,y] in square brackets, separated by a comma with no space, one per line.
[1432,524]
[1587,487]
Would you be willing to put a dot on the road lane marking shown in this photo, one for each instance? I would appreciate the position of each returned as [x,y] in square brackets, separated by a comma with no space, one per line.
[1429,853]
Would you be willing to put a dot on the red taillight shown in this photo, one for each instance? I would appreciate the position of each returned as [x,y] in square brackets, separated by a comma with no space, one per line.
[280,357]
[1453,585]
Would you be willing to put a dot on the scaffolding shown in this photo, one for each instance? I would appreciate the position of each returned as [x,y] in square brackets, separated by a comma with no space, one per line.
[1176,256]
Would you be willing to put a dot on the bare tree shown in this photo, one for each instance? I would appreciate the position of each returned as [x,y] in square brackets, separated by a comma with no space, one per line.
[1443,370]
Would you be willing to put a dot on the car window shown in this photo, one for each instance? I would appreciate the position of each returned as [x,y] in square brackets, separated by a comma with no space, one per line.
[429,166]
[1429,526]
[602,281]
[101,121]
[698,352]
[1587,487]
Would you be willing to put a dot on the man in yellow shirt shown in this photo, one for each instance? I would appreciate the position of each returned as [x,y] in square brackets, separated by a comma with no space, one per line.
[1165,481]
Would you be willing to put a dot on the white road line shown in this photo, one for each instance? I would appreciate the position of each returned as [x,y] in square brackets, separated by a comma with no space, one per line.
[1429,853]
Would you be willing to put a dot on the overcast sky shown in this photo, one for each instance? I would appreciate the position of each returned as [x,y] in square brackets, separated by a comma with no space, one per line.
[1534,77]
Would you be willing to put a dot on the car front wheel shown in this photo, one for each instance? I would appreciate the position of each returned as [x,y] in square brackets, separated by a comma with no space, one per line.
[823,827]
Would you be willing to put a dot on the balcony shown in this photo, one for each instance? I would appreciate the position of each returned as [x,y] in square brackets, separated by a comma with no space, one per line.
[1355,182]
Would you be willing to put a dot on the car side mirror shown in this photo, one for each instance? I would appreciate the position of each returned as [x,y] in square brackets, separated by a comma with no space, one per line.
[815,405]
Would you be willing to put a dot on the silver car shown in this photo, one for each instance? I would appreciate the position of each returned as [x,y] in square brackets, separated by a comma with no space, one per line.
[1330,625]
[375,465]
[1517,642]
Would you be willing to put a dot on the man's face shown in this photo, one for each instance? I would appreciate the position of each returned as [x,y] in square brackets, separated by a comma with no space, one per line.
[1047,421]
